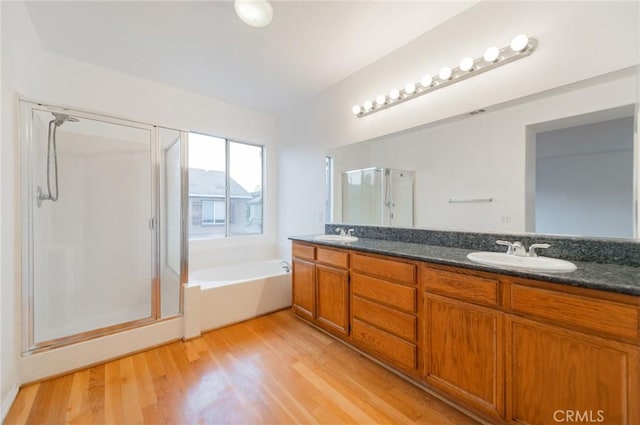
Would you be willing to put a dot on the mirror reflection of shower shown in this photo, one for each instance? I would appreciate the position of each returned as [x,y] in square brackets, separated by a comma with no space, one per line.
[378,196]
[52,155]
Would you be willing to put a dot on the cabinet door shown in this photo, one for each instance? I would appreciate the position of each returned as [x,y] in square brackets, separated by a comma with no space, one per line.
[463,353]
[304,288]
[332,299]
[554,376]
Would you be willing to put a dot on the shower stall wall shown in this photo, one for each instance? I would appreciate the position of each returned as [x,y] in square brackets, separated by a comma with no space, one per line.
[377,196]
[102,242]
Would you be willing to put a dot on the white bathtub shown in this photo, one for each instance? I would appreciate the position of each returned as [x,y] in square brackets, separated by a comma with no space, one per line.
[237,292]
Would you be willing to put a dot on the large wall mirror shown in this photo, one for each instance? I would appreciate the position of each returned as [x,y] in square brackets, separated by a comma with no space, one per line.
[560,162]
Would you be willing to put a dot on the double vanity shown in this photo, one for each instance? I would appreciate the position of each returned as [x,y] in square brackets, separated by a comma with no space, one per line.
[511,343]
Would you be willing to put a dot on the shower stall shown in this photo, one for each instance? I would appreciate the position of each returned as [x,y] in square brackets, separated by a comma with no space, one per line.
[104,247]
[378,196]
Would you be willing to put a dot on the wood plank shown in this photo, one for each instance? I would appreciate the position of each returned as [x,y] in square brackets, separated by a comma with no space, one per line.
[131,401]
[96,394]
[113,406]
[78,408]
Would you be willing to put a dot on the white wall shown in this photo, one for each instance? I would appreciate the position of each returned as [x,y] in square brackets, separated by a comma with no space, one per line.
[572,38]
[584,180]
[35,74]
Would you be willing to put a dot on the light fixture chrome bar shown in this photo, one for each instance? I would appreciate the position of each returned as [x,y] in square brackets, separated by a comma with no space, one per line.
[479,65]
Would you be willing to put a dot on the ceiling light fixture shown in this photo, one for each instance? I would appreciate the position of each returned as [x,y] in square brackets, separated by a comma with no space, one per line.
[257,13]
[521,46]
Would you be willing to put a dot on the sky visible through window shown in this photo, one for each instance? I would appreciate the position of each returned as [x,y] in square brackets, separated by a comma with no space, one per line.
[207,153]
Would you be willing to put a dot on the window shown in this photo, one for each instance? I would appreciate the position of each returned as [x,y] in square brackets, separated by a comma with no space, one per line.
[213,212]
[328,194]
[225,187]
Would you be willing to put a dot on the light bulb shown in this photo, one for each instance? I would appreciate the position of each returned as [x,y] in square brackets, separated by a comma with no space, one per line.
[466,64]
[410,88]
[357,109]
[381,100]
[519,43]
[491,54]
[445,73]
[394,94]
[256,13]
[426,81]
[367,105]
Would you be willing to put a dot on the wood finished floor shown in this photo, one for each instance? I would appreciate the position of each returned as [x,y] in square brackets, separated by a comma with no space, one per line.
[270,370]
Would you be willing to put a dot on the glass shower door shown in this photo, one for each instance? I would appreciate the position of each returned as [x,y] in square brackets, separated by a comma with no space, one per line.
[362,196]
[92,257]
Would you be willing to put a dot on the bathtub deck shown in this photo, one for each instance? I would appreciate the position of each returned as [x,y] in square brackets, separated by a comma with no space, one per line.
[273,370]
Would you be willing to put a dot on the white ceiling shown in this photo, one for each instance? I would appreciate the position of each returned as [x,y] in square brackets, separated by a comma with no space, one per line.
[202,47]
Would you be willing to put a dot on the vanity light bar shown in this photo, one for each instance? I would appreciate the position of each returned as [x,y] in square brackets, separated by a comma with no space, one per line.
[521,46]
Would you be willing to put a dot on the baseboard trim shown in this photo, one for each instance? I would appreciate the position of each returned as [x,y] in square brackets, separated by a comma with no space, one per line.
[8,402]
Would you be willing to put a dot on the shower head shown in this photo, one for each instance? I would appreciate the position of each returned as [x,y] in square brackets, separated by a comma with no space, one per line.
[59,119]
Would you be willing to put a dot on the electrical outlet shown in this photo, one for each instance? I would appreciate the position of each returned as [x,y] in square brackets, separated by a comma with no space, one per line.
[505,219]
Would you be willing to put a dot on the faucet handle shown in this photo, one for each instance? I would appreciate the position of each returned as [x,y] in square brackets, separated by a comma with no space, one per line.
[339,230]
[533,247]
[508,244]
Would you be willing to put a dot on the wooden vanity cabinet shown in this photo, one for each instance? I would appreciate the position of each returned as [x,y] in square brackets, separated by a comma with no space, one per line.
[571,353]
[321,286]
[384,309]
[463,338]
[513,350]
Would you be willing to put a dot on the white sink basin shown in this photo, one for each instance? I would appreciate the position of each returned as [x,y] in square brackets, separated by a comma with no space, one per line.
[335,238]
[538,264]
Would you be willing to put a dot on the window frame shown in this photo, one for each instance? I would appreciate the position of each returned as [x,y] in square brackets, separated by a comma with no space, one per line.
[228,220]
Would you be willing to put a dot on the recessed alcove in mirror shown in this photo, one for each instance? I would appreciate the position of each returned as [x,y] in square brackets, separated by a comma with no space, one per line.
[584,175]
[476,172]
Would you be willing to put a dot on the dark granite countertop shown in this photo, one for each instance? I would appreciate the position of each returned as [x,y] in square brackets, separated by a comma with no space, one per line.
[606,277]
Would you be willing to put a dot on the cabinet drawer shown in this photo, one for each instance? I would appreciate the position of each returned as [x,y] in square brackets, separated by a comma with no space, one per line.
[385,318]
[389,269]
[389,347]
[462,286]
[382,291]
[303,251]
[601,316]
[332,257]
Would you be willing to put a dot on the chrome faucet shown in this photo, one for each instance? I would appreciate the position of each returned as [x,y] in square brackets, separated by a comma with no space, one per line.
[341,231]
[285,266]
[517,248]
[350,232]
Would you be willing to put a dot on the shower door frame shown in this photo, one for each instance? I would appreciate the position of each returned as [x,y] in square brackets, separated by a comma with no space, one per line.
[27,192]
